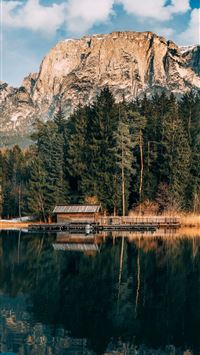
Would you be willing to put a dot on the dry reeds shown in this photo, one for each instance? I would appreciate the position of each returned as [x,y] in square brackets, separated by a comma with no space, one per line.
[190,220]
[11,225]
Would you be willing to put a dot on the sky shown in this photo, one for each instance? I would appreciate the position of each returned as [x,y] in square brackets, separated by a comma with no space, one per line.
[30,28]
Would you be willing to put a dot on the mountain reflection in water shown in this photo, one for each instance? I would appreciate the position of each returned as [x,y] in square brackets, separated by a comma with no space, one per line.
[124,294]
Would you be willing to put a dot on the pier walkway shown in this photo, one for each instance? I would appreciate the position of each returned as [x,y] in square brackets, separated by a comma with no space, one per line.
[138,223]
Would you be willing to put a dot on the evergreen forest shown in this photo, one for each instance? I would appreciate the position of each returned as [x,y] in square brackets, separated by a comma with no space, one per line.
[138,155]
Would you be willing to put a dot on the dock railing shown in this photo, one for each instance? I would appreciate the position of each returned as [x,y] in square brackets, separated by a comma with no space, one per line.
[140,220]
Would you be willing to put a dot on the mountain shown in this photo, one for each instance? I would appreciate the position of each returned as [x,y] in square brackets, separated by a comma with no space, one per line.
[75,70]
[192,56]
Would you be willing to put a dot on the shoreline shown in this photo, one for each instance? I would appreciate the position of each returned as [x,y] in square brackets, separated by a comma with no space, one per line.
[15,225]
[189,220]
[190,225]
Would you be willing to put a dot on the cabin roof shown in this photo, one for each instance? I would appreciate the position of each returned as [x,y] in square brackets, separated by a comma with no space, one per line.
[76,209]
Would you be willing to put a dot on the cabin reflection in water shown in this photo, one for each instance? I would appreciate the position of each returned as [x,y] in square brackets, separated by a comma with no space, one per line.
[89,244]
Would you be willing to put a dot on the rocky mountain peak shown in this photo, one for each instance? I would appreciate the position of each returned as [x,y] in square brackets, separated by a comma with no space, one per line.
[75,70]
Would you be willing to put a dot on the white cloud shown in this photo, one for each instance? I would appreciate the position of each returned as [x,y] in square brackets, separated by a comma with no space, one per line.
[155,9]
[180,6]
[33,16]
[83,14]
[192,33]
[78,16]
[148,8]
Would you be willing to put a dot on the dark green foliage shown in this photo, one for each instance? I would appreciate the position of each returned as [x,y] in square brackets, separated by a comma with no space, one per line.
[14,180]
[123,157]
[102,124]
[37,188]
[49,166]
[190,114]
[153,144]
[176,156]
[75,152]
[90,141]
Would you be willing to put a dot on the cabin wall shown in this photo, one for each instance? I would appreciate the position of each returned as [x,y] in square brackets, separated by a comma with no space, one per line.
[75,217]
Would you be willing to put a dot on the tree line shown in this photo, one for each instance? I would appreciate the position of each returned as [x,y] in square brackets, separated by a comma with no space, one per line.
[122,155]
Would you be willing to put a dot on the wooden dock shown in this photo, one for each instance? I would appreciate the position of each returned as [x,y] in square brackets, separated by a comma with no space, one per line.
[73,227]
[88,228]
[127,227]
[109,224]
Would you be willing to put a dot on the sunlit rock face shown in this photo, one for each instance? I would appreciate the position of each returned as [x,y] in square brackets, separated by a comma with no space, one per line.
[75,70]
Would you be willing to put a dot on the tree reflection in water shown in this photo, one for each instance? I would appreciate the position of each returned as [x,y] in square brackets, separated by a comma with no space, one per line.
[144,292]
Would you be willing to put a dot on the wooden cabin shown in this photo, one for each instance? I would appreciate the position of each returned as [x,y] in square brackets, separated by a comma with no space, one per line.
[77,213]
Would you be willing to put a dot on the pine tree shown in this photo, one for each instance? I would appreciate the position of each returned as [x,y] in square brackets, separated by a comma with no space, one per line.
[176,155]
[37,189]
[137,124]
[13,182]
[155,110]
[189,109]
[50,144]
[101,125]
[123,156]
[60,121]
[76,147]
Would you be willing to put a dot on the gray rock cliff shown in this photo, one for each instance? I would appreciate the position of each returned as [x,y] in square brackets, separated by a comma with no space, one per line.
[75,70]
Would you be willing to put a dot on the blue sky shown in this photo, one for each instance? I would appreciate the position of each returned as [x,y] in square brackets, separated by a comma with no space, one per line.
[29,28]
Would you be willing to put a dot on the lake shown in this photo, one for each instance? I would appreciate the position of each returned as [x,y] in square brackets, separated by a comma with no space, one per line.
[134,294]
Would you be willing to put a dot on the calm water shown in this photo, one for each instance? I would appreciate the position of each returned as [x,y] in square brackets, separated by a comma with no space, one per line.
[115,296]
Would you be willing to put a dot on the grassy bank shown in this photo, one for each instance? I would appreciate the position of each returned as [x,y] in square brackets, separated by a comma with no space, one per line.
[188,221]
[12,225]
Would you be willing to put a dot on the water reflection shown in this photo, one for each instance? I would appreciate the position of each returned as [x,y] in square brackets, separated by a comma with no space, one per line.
[114,295]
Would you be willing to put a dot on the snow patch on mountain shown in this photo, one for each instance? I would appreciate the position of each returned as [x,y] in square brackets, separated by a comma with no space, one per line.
[184,49]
